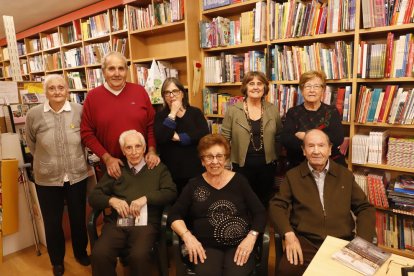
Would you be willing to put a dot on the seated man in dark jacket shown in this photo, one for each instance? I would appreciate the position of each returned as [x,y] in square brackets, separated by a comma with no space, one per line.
[137,187]
[315,200]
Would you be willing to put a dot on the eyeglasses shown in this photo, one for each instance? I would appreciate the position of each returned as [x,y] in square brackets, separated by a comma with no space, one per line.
[314,86]
[130,149]
[397,263]
[210,157]
[252,84]
[59,88]
[171,93]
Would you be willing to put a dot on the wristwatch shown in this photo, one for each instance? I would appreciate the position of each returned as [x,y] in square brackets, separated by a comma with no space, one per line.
[171,117]
[254,233]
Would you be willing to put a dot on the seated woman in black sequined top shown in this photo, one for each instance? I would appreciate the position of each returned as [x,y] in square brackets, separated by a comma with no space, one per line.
[224,214]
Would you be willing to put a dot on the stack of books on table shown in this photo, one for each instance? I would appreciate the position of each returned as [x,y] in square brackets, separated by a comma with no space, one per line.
[362,256]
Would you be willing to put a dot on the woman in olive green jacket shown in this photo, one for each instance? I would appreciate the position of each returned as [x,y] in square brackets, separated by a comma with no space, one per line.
[253,127]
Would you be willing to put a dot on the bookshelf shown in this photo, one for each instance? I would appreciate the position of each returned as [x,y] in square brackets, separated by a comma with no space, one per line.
[74,47]
[351,32]
[177,42]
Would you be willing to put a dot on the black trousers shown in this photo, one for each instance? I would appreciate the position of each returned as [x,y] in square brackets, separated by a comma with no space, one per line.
[261,178]
[138,239]
[220,262]
[51,200]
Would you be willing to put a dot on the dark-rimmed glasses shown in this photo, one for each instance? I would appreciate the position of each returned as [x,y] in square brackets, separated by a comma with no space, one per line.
[174,92]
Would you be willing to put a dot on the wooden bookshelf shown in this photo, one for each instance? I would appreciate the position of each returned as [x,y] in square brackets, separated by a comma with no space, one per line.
[178,43]
[173,42]
[395,211]
[385,167]
[379,34]
[405,253]
[354,36]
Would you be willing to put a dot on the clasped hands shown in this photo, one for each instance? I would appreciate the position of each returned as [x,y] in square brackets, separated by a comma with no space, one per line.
[196,250]
[124,210]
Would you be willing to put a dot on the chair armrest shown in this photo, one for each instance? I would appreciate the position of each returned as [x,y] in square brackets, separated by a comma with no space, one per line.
[162,244]
[164,218]
[278,249]
[178,258]
[92,231]
[264,253]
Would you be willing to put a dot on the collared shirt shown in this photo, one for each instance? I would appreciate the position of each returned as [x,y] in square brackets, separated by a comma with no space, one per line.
[320,180]
[65,107]
[138,166]
[115,92]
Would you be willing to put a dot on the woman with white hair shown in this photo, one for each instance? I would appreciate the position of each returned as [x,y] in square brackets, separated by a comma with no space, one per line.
[60,170]
[138,186]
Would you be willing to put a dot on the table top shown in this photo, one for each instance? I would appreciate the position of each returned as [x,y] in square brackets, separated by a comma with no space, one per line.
[323,264]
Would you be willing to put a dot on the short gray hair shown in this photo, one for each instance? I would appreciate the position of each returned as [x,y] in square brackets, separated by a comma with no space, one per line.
[52,77]
[116,54]
[131,132]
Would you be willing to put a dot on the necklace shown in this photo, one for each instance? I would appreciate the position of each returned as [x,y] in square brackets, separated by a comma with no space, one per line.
[251,130]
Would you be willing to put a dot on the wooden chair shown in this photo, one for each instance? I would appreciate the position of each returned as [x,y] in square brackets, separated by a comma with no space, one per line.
[278,250]
[159,249]
[261,255]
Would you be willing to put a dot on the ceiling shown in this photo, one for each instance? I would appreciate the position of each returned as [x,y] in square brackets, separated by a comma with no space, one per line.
[30,13]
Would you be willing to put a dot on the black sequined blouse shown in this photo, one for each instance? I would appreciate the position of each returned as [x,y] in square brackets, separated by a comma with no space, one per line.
[219,218]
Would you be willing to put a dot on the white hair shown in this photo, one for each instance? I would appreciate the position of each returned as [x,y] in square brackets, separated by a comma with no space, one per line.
[116,54]
[131,132]
[52,77]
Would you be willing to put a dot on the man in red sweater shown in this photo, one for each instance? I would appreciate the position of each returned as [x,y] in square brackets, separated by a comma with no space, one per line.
[113,108]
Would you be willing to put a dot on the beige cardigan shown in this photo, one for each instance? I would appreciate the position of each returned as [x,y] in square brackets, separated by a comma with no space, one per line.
[55,143]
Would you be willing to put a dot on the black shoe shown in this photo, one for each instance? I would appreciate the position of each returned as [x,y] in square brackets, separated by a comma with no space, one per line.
[58,270]
[84,260]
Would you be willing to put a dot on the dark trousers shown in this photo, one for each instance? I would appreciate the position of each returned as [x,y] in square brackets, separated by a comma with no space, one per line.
[309,251]
[261,179]
[139,240]
[221,263]
[51,200]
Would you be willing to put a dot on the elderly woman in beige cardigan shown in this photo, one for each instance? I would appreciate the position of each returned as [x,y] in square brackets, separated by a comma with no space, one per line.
[60,169]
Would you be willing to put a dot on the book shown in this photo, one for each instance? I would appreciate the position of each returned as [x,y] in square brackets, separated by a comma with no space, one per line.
[362,256]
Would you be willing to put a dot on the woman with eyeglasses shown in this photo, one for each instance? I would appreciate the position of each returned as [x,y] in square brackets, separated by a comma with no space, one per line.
[178,128]
[252,127]
[313,113]
[60,170]
[217,215]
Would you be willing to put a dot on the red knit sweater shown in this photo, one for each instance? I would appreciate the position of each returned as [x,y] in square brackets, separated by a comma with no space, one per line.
[105,116]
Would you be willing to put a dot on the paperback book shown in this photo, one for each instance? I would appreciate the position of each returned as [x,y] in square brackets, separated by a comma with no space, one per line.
[362,256]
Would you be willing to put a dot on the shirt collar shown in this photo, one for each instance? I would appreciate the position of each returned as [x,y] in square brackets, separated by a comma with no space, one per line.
[138,166]
[47,107]
[113,91]
[324,171]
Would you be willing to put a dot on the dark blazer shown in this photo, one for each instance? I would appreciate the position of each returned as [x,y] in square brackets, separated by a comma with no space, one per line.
[308,218]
